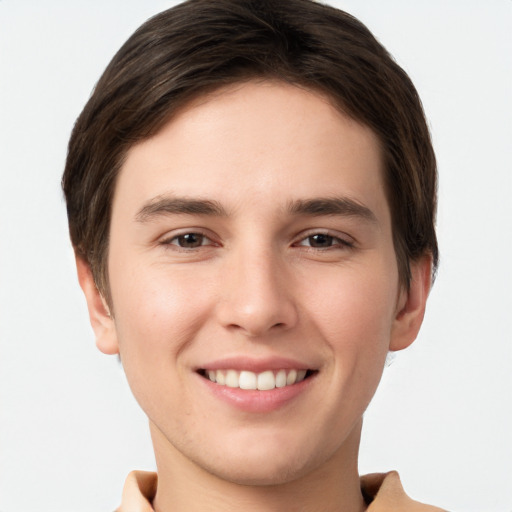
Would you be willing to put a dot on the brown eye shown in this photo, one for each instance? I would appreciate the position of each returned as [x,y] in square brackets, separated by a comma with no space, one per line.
[320,240]
[324,241]
[189,240]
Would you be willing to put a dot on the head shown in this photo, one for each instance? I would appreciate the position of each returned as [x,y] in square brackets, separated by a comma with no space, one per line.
[199,46]
[186,107]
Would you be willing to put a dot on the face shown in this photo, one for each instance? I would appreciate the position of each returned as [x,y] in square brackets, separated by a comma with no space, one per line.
[254,281]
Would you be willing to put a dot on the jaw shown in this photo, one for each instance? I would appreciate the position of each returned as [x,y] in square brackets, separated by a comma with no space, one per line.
[293,481]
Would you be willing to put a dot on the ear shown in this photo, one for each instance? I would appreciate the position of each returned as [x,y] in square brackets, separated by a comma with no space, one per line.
[411,305]
[99,315]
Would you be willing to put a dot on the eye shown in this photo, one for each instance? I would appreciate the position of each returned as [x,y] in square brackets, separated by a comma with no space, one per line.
[189,240]
[320,240]
[323,241]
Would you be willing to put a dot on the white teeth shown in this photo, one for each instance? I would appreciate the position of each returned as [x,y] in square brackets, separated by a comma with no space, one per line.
[248,380]
[266,381]
[232,379]
[263,381]
[291,377]
[281,379]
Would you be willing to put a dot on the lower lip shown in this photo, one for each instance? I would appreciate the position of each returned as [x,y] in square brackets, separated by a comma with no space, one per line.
[249,400]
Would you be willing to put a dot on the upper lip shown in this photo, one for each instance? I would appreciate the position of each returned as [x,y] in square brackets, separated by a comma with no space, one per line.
[255,365]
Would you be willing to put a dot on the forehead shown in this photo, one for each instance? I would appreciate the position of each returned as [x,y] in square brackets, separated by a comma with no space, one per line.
[263,140]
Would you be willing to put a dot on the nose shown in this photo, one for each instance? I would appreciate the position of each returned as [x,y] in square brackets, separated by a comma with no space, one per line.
[257,295]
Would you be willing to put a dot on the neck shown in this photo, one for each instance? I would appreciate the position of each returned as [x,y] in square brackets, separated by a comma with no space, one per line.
[183,486]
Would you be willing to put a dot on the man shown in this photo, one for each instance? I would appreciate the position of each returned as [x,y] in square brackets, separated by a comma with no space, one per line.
[251,195]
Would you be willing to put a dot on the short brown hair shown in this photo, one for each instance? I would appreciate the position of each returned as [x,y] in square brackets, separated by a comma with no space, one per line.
[201,45]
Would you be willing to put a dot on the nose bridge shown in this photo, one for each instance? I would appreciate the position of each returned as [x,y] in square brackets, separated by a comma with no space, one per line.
[257,297]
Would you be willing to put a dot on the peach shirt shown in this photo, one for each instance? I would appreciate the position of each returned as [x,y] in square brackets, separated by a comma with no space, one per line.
[383,492]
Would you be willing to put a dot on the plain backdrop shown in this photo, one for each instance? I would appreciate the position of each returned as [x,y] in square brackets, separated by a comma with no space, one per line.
[70,430]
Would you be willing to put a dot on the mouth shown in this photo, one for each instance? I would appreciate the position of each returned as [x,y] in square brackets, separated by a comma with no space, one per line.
[262,381]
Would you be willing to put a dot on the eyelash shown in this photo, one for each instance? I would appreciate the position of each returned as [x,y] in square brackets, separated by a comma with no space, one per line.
[171,241]
[337,242]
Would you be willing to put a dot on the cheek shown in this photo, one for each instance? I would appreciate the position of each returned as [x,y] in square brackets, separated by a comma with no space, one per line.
[157,313]
[348,304]
[354,315]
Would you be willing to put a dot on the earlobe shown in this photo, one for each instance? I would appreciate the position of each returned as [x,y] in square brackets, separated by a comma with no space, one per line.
[99,315]
[411,305]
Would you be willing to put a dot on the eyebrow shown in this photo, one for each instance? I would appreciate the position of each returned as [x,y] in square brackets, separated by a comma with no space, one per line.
[342,206]
[317,207]
[163,205]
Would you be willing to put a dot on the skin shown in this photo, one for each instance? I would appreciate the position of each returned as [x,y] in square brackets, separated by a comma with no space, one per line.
[264,282]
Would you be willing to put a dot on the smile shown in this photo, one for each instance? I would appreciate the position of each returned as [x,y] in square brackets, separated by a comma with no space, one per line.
[263,381]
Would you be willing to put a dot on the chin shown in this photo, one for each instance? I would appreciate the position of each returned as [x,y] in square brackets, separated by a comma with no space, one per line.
[260,473]
[255,466]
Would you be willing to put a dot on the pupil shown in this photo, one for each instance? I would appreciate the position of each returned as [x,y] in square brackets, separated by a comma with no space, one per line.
[190,240]
[320,240]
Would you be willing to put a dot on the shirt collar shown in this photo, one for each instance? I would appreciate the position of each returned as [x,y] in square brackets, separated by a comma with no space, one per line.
[383,492]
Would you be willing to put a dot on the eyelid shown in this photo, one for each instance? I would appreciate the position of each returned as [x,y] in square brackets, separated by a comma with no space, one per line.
[166,240]
[169,237]
[344,239]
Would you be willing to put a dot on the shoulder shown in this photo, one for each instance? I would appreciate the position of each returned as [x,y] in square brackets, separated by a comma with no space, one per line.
[138,492]
[385,493]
